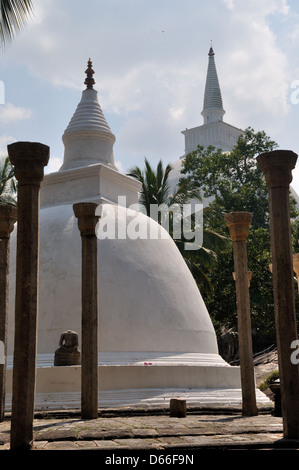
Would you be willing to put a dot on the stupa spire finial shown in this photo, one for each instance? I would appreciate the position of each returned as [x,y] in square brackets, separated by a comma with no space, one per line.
[212,108]
[89,80]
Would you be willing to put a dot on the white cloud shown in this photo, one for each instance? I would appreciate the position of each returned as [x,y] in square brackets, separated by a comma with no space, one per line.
[176,112]
[150,60]
[10,113]
[4,141]
[229,3]
[260,10]
[119,167]
[254,73]
[53,165]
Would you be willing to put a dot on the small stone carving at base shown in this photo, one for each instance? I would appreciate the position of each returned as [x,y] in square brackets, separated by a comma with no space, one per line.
[68,353]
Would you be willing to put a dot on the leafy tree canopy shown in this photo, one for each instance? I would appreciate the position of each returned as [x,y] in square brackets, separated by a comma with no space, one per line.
[233,179]
[234,182]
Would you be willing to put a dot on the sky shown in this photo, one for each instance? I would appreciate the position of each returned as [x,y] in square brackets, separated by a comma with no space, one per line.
[150,59]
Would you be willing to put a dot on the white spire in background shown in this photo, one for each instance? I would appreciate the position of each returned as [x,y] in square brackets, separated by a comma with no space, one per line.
[212,107]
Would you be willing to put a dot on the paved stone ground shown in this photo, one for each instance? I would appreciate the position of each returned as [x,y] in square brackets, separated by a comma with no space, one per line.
[116,431]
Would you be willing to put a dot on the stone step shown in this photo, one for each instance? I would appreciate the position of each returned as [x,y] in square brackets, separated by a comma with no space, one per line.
[145,398]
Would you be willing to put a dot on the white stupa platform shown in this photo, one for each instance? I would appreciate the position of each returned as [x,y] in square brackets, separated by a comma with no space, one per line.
[146,399]
[140,380]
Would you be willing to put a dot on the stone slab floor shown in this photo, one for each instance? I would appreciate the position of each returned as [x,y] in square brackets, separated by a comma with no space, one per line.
[118,431]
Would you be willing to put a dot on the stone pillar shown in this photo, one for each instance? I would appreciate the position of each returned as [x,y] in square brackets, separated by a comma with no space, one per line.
[249,277]
[29,160]
[87,221]
[277,167]
[238,223]
[8,217]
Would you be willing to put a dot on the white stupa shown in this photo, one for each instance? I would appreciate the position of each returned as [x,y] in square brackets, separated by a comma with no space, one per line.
[156,338]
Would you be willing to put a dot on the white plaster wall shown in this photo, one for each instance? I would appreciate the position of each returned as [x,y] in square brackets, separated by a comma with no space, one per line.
[148,300]
[87,149]
[68,378]
[87,184]
[219,134]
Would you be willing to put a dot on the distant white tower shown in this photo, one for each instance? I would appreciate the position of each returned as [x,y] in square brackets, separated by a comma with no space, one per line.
[212,107]
[214,131]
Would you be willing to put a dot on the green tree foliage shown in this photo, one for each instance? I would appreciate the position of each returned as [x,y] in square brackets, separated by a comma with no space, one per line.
[156,189]
[235,183]
[13,18]
[233,178]
[222,303]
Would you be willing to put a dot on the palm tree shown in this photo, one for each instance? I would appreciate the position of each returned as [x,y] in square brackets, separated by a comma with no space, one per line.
[8,187]
[156,189]
[13,18]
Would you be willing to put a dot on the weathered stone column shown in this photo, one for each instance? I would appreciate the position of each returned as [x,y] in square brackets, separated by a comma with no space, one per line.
[277,167]
[29,160]
[238,223]
[8,217]
[249,277]
[87,221]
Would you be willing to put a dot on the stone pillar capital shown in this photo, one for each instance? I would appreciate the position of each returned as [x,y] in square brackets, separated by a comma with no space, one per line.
[8,217]
[238,223]
[277,167]
[29,160]
[87,219]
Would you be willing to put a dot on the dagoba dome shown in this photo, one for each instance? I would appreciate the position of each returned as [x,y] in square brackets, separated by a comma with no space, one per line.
[148,300]
[155,333]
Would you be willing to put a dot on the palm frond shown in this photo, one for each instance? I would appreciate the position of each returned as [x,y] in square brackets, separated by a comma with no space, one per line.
[155,187]
[14,14]
[215,240]
[200,277]
[186,191]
